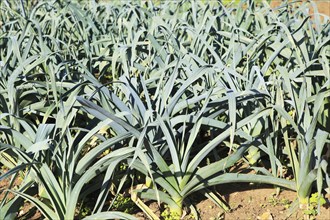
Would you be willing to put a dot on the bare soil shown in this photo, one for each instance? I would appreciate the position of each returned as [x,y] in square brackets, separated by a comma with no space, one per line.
[262,202]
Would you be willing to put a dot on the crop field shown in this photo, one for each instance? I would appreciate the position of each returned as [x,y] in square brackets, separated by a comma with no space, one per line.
[147,109]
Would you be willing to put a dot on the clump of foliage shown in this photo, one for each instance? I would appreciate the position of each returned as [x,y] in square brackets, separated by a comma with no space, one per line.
[315,201]
[124,204]
[168,215]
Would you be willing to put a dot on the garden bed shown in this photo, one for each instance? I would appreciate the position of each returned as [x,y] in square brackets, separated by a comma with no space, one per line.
[108,108]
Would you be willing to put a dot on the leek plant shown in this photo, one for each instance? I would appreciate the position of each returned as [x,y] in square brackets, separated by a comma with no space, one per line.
[171,154]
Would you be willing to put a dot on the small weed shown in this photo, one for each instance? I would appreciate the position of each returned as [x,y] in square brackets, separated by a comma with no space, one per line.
[124,204]
[168,215]
[313,203]
[275,201]
[85,211]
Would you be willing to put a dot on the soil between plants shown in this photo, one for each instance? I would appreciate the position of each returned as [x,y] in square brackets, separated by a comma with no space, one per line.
[247,201]
[251,201]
